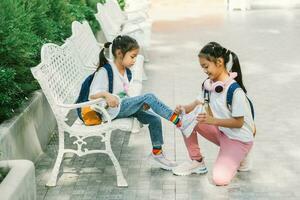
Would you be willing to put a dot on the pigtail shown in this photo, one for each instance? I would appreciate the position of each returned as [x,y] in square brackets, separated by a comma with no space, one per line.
[237,68]
[102,58]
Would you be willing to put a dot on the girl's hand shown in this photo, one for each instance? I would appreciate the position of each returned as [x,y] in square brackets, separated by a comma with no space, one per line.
[179,109]
[112,100]
[205,119]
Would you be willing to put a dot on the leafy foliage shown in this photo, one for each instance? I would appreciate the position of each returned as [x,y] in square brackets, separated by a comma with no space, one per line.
[25,26]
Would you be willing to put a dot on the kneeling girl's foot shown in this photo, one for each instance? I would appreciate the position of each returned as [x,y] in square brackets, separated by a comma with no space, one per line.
[190,167]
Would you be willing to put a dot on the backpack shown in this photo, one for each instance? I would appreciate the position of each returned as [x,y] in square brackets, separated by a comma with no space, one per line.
[229,97]
[86,114]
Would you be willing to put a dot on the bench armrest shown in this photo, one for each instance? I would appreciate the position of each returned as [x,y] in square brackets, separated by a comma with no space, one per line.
[80,105]
[101,109]
[98,105]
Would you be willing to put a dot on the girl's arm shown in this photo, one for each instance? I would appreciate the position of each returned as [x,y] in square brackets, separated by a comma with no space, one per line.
[235,122]
[188,108]
[111,100]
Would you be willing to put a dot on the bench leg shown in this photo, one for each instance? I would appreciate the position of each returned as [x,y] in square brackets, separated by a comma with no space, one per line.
[53,178]
[61,143]
[121,181]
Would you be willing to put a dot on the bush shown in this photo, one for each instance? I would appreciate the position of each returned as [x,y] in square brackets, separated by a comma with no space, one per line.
[25,26]
[3,173]
[3,170]
[93,3]
[80,11]
[122,4]
[11,93]
[19,49]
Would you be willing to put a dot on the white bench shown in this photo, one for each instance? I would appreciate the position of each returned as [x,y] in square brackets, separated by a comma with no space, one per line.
[132,6]
[84,42]
[132,17]
[112,26]
[60,75]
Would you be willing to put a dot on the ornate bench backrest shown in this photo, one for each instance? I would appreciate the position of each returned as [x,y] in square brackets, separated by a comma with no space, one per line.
[59,74]
[85,43]
[108,26]
[115,12]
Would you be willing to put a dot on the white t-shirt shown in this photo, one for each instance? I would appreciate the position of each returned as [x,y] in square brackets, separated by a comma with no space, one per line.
[120,86]
[240,107]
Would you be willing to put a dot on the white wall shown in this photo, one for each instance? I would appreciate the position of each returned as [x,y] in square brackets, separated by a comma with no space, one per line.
[26,136]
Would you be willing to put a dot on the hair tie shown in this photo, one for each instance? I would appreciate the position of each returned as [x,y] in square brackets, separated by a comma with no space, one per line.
[119,37]
[107,44]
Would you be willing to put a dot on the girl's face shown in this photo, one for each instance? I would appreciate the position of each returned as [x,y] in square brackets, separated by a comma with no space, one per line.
[130,58]
[212,69]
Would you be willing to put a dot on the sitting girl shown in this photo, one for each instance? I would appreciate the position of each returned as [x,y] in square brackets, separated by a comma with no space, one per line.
[125,50]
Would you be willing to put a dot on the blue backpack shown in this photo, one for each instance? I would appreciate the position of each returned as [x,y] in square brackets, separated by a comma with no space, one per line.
[85,88]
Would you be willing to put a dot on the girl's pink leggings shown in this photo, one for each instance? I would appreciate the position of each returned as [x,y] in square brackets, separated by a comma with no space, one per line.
[231,152]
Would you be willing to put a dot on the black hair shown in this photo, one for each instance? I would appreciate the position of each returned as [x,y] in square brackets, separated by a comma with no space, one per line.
[213,50]
[124,43]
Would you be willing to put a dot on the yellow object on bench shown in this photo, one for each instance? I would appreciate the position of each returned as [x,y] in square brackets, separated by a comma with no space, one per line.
[90,117]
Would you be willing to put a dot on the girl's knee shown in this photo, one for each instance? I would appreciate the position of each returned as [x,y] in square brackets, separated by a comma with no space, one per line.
[200,127]
[221,180]
[221,177]
[150,95]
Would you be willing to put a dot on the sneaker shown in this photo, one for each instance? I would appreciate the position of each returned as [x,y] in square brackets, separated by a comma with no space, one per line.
[246,164]
[190,167]
[162,162]
[189,122]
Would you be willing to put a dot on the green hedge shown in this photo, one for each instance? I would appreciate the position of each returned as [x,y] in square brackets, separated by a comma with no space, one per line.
[25,26]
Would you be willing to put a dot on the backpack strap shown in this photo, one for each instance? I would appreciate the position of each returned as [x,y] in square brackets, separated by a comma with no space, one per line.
[110,76]
[206,93]
[84,92]
[229,97]
[129,74]
[206,96]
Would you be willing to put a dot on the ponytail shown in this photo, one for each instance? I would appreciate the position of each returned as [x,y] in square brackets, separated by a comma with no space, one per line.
[237,68]
[102,58]
[213,50]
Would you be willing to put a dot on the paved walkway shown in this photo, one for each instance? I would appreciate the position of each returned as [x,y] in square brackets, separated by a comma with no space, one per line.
[267,43]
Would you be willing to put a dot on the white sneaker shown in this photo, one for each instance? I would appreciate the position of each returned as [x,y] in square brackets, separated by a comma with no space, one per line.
[246,164]
[189,121]
[162,162]
[190,167]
